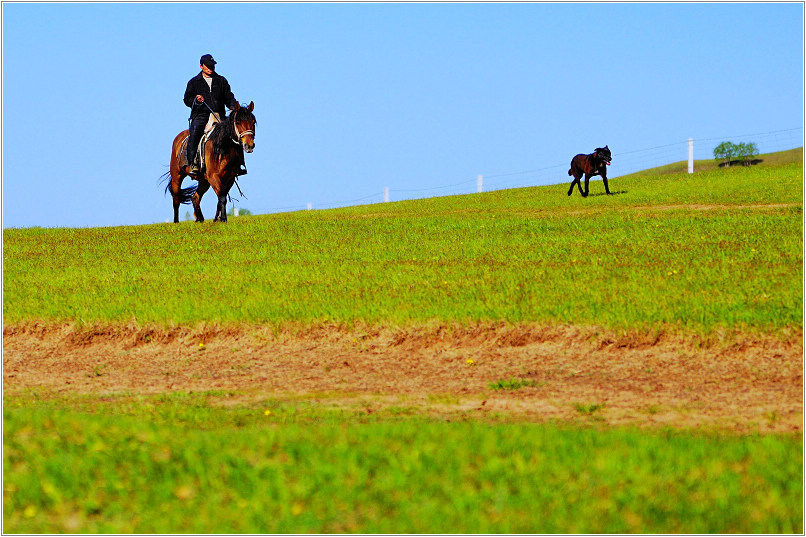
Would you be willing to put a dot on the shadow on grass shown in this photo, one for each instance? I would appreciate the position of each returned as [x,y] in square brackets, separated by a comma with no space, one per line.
[613,193]
[732,163]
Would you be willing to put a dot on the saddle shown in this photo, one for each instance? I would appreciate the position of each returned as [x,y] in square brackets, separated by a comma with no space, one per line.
[183,154]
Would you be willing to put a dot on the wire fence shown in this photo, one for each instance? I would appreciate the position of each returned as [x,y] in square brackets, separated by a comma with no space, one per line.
[624,163]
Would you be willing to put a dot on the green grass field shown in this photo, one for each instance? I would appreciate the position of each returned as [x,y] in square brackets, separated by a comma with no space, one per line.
[525,255]
[177,464]
[696,254]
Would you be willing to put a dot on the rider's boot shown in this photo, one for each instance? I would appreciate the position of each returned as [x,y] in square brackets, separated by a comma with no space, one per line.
[192,171]
[242,167]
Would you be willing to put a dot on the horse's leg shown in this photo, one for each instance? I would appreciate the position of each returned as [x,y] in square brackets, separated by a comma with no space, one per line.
[226,185]
[221,180]
[176,176]
[176,185]
[197,196]
[221,211]
[215,182]
[221,207]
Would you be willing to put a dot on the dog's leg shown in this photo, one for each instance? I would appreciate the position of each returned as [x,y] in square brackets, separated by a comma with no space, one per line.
[604,178]
[587,179]
[572,172]
[574,182]
[578,182]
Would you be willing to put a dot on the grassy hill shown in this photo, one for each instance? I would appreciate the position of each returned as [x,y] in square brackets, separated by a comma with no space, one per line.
[768,159]
[718,248]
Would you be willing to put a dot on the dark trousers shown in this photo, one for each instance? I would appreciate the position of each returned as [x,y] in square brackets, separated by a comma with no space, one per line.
[197,124]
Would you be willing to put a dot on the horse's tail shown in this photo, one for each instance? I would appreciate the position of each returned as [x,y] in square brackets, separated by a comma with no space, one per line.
[185,194]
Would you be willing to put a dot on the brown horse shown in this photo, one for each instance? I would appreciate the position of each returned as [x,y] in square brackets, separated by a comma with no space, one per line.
[222,162]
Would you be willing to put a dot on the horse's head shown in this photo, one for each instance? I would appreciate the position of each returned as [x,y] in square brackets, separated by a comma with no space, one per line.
[243,122]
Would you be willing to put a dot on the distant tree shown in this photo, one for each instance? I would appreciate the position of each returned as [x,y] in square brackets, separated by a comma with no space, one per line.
[187,216]
[746,152]
[752,151]
[728,151]
[725,152]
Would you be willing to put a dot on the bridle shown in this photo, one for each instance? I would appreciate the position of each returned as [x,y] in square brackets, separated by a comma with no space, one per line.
[240,134]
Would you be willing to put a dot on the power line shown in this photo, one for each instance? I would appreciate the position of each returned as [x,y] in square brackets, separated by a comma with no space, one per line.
[637,159]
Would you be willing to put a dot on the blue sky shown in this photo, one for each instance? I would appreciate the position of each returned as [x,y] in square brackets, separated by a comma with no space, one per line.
[351,98]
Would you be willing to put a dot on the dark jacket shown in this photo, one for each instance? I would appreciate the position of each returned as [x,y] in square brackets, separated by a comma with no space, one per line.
[220,96]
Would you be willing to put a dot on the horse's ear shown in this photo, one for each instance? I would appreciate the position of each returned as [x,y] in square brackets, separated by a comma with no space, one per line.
[251,106]
[236,107]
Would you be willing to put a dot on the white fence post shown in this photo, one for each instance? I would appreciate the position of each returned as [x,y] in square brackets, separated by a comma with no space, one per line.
[235,212]
[691,155]
[310,206]
[385,194]
[479,183]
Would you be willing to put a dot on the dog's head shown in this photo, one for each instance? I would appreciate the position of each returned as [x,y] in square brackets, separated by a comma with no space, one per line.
[603,154]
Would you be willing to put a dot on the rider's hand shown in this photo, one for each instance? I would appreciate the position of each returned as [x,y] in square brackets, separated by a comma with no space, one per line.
[200,98]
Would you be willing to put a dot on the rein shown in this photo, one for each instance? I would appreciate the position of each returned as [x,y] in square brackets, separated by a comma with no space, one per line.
[211,111]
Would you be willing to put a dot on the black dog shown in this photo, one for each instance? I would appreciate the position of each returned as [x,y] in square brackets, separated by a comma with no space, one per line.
[594,164]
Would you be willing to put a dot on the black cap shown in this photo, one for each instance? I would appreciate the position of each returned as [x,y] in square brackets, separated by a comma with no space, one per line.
[207,61]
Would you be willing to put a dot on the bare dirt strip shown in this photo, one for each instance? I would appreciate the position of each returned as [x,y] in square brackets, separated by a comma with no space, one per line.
[740,382]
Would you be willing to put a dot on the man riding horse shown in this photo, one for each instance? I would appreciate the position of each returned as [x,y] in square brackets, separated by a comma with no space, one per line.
[206,93]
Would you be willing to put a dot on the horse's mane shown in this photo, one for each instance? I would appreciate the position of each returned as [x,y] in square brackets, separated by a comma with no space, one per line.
[224,133]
